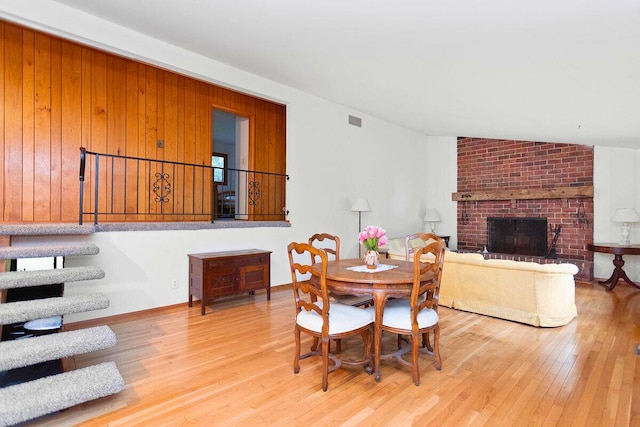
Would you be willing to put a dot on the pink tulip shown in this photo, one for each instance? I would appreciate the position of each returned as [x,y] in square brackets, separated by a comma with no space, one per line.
[372,237]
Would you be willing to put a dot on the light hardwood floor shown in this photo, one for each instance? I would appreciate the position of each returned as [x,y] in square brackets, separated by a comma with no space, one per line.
[233,366]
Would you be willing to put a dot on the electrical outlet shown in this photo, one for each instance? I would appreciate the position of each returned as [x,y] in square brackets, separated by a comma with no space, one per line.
[175,284]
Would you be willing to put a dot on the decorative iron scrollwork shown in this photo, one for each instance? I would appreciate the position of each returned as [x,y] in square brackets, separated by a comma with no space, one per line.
[254,194]
[162,187]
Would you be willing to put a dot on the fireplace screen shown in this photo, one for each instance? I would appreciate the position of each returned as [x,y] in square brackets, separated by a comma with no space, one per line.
[520,236]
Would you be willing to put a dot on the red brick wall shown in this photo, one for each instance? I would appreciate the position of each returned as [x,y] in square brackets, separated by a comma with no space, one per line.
[492,164]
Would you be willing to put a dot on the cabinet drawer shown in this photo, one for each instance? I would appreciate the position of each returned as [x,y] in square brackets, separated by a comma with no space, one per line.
[218,264]
[252,260]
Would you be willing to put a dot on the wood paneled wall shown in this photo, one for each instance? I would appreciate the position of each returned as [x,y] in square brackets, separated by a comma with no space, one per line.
[57,96]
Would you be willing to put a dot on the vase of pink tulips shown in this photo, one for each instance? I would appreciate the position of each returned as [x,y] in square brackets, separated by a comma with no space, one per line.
[371,238]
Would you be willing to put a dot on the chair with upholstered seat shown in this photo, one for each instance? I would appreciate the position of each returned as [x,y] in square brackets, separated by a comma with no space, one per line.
[418,315]
[411,243]
[329,242]
[331,245]
[317,316]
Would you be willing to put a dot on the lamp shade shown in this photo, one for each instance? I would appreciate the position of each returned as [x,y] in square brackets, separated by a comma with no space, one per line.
[432,215]
[361,205]
[625,215]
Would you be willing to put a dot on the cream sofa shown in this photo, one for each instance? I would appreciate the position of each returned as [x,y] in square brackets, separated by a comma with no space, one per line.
[525,292]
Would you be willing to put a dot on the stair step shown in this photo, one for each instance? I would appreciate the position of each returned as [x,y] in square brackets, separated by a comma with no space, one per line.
[37,251]
[21,279]
[29,351]
[45,229]
[22,311]
[26,401]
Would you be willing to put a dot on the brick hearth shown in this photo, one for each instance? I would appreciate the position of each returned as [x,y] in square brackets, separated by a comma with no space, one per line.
[490,165]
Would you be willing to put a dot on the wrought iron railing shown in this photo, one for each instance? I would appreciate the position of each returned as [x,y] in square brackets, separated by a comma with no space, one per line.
[132,189]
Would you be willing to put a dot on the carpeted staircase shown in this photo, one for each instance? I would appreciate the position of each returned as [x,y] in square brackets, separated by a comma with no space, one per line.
[28,400]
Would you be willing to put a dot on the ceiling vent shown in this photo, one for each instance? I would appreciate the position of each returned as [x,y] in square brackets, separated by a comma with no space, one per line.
[355,121]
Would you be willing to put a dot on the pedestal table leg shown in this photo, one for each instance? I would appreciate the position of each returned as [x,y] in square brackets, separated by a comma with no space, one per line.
[618,273]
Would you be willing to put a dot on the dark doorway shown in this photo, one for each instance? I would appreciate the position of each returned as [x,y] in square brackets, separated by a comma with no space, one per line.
[230,142]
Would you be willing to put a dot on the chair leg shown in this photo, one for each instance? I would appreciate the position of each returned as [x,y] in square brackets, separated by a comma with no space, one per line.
[426,341]
[325,364]
[316,342]
[436,347]
[314,345]
[296,356]
[367,339]
[415,350]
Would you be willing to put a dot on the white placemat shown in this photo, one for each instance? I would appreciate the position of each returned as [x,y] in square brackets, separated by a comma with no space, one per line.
[364,269]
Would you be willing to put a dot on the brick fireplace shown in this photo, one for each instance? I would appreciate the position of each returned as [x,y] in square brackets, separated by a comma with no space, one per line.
[520,179]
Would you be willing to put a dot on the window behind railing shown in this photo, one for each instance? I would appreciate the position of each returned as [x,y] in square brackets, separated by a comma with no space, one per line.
[116,188]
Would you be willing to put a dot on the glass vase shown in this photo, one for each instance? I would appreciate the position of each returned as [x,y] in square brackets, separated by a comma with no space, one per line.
[371,259]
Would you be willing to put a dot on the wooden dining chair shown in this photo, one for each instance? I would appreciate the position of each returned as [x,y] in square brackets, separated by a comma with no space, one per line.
[410,246]
[418,315]
[317,316]
[331,245]
[410,242]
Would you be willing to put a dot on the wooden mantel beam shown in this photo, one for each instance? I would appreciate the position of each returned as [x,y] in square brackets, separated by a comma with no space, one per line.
[525,194]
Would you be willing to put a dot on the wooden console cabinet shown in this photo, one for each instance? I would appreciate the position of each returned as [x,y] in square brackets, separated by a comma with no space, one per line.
[218,274]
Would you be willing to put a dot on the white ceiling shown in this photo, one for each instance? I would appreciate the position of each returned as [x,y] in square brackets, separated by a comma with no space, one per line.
[538,70]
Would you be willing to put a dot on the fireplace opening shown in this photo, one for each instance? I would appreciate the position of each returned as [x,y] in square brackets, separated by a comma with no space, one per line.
[520,236]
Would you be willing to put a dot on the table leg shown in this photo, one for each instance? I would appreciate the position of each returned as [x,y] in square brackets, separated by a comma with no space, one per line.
[379,300]
[618,273]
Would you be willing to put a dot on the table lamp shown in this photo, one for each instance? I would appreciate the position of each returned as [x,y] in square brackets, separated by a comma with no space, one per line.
[360,205]
[625,216]
[432,216]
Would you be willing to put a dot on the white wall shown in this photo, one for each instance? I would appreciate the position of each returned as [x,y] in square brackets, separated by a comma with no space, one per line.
[441,163]
[617,185]
[330,163]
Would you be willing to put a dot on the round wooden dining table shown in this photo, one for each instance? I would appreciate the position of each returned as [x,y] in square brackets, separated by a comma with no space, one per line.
[381,285]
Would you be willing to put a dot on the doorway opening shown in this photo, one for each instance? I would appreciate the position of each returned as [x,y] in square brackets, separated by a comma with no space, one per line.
[230,156]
